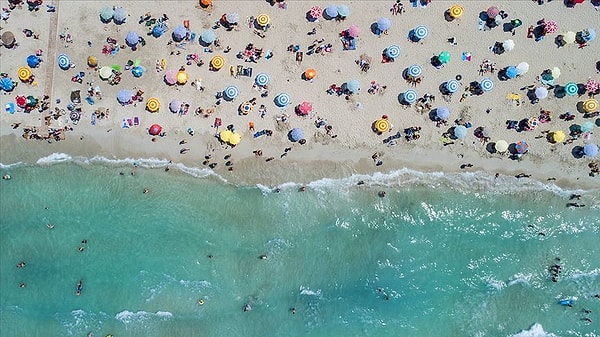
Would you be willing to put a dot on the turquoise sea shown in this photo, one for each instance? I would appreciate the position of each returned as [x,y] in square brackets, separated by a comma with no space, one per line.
[439,255]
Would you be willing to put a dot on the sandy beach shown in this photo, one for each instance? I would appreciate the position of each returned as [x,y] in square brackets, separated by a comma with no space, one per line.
[350,145]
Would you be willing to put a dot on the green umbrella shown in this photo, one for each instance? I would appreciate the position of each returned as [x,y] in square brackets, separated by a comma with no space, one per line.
[444,57]
[587,127]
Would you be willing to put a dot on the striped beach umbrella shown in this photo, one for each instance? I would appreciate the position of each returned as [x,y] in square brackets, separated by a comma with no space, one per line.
[217,62]
[486,84]
[551,27]
[64,62]
[315,12]
[421,32]
[153,104]
[24,73]
[590,105]
[452,86]
[263,19]
[283,100]
[415,70]
[262,79]
[231,92]
[571,88]
[409,96]
[456,11]
[393,51]
[382,125]
[592,85]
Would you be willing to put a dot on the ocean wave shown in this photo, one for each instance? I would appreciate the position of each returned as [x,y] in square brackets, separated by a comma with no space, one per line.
[536,330]
[306,291]
[129,317]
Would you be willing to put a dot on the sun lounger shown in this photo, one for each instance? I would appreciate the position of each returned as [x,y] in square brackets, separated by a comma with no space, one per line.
[136,120]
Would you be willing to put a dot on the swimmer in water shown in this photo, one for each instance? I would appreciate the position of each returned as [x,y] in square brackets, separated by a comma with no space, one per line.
[49,226]
[263,257]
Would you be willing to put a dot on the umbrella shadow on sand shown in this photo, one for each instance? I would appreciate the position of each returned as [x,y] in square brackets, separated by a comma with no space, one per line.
[577,152]
[491,148]
[374,29]
[559,91]
[502,76]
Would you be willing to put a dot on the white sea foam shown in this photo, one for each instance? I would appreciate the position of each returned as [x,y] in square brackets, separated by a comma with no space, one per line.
[520,279]
[129,317]
[306,291]
[9,166]
[54,159]
[536,330]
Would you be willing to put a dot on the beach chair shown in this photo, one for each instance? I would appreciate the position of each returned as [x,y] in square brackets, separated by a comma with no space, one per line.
[247,72]
[239,71]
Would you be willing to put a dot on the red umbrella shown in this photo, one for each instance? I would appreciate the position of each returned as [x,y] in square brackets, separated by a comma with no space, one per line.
[155,129]
[304,108]
[492,12]
[315,12]
[354,31]
[551,27]
[21,101]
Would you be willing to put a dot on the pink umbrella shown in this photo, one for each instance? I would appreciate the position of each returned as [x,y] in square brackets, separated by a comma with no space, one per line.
[315,12]
[551,27]
[304,108]
[592,85]
[492,12]
[171,77]
[353,31]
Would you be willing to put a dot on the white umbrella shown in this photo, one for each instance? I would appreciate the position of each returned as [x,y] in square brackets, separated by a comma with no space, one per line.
[508,45]
[523,68]
[555,72]
[541,92]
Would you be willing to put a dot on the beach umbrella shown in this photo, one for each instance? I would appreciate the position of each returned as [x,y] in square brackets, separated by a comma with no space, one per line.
[501,146]
[315,12]
[283,100]
[353,86]
[170,77]
[231,92]
[508,45]
[587,127]
[175,105]
[106,14]
[456,11]
[132,38]
[460,131]
[245,108]
[512,72]
[262,79]
[153,104]
[179,33]
[521,147]
[331,11]
[159,29]
[105,72]
[343,11]
[6,84]
[486,84]
[421,32]
[523,68]
[383,24]
[124,96]
[592,85]
[558,136]
[232,18]
[353,31]
[492,12]
[588,34]
[263,19]
[205,3]
[155,129]
[7,38]
[569,37]
[225,135]
[182,77]
[24,73]
[381,125]
[442,112]
[137,71]
[208,36]
[392,52]
[444,57]
[296,134]
[541,92]
[217,62]
[235,139]
[590,150]
[305,108]
[33,61]
[120,15]
[532,122]
[415,70]
[64,62]
[21,101]
[571,88]
[310,73]
[555,72]
[409,96]
[551,27]
[452,86]
[590,105]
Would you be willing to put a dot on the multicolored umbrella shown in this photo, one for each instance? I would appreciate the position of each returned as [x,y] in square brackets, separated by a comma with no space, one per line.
[315,12]
[551,27]
[521,147]
[571,88]
[533,122]
[592,85]
[452,86]
[246,108]
[486,84]
[231,92]
[392,52]
[64,62]
[155,129]
[305,108]
[409,96]
[442,112]
[283,100]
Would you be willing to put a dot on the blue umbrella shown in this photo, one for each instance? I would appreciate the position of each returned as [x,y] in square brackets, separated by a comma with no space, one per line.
[415,70]
[208,36]
[486,84]
[282,100]
[460,131]
[571,89]
[6,84]
[588,34]
[231,92]
[343,10]
[392,51]
[512,72]
[120,15]
[64,62]
[353,86]
[262,79]
[452,86]
[442,112]
[521,147]
[124,96]
[137,71]
[587,127]
[132,38]
[159,29]
[590,150]
[179,33]
[409,96]
[296,134]
[33,61]
[383,23]
[421,32]
[331,11]
[232,17]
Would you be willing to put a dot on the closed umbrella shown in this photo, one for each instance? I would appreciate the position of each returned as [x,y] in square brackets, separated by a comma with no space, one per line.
[296,134]
[155,129]
[175,105]
[452,86]
[523,68]
[124,96]
[409,96]
[353,86]
[512,72]
[501,146]
[571,88]
[587,127]
[354,31]
[179,33]
[331,12]
[541,92]
[33,61]
[120,15]
[442,112]
[171,77]
[106,14]
[508,45]
[208,36]
[460,131]
[283,100]
[590,150]
[343,11]
[132,38]
[383,24]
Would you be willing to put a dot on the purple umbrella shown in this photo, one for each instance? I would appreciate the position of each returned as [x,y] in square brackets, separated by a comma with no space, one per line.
[132,39]
[174,106]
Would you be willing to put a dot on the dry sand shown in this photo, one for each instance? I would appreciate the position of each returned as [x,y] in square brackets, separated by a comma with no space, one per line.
[350,152]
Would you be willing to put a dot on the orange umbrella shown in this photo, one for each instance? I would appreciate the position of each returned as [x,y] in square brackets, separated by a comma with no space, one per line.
[205,3]
[310,73]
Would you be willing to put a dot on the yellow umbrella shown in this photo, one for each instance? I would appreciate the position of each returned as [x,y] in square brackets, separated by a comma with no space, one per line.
[569,37]
[501,146]
[217,62]
[263,19]
[235,138]
[590,105]
[225,135]
[182,77]
[105,72]
[456,11]
[558,136]
[382,125]
[92,61]
[24,74]
[153,104]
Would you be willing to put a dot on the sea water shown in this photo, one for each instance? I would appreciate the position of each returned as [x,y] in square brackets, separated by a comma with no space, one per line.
[439,255]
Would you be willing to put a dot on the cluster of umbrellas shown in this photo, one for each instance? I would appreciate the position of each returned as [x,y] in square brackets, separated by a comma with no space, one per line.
[118,15]
[230,137]
[329,13]
[176,77]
